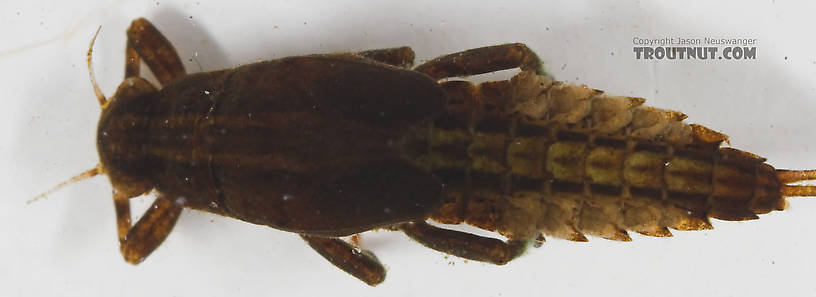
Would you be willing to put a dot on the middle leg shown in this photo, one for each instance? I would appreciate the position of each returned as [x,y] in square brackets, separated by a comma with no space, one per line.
[464,245]
[359,263]
[483,60]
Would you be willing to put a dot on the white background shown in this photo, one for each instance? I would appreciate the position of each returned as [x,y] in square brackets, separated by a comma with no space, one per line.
[66,245]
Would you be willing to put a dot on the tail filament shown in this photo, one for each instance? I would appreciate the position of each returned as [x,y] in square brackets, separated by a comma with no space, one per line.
[788,177]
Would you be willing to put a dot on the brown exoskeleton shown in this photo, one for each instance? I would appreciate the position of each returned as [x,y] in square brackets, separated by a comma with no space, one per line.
[332,145]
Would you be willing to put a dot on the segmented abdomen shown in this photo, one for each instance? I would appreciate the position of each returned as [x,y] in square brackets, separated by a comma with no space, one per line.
[531,156]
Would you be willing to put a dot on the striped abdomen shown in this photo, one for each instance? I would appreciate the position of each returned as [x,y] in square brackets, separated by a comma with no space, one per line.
[532,156]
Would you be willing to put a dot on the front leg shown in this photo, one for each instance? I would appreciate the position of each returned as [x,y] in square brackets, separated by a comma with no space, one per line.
[146,42]
[402,57]
[138,241]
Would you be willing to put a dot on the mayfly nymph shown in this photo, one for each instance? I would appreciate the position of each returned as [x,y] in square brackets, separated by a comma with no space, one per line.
[331,145]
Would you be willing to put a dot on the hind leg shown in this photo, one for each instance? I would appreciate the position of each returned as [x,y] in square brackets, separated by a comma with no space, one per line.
[483,60]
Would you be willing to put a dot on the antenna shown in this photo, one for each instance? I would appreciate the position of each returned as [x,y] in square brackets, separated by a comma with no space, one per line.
[99,95]
[80,177]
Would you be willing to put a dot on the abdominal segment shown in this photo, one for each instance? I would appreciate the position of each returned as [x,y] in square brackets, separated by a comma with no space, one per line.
[532,156]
